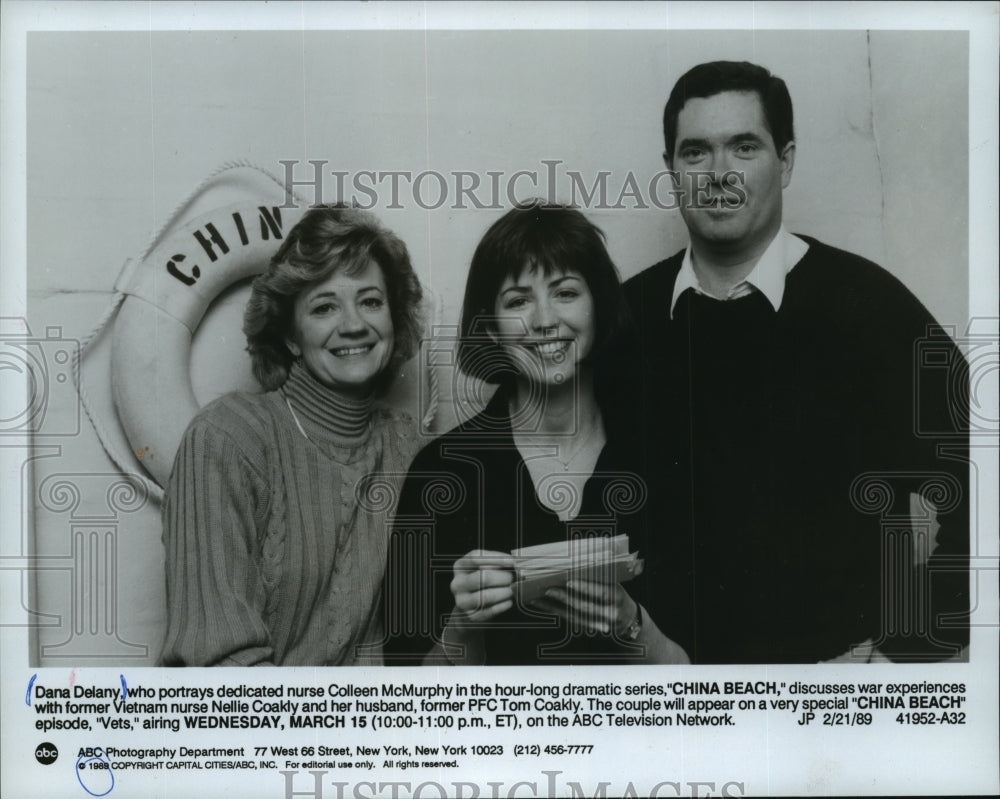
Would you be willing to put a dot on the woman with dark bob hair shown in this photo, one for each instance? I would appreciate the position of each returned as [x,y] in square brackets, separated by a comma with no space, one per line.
[543,318]
[273,555]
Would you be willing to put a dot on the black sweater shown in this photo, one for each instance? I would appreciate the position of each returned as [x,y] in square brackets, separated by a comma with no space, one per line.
[784,447]
[470,489]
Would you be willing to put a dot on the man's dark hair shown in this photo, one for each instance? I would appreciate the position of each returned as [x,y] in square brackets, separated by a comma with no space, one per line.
[715,77]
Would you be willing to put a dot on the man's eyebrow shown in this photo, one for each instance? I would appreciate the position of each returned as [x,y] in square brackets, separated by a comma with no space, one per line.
[692,142]
[736,138]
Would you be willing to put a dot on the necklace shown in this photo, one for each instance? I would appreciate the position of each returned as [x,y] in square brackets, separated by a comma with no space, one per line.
[295,417]
[588,442]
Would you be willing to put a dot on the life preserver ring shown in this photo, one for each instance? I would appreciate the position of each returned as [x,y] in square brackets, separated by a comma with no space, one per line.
[166,295]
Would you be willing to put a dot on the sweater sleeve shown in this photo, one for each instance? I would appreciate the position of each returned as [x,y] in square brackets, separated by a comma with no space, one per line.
[922,387]
[211,517]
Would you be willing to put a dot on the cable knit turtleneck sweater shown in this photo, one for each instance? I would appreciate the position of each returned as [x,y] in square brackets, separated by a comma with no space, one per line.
[271,558]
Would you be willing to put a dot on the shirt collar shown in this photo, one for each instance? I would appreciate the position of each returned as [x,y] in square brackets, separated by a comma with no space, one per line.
[767,276]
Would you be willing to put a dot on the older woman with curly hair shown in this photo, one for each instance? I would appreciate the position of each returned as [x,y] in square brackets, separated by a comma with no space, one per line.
[273,556]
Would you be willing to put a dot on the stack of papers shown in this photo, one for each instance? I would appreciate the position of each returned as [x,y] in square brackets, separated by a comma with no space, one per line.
[601,559]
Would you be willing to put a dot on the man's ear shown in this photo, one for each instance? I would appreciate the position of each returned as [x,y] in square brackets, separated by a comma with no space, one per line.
[293,348]
[787,163]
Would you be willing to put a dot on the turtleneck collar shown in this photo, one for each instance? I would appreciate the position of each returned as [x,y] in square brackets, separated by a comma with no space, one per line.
[327,415]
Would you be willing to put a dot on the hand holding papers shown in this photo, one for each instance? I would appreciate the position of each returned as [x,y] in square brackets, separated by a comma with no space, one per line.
[603,559]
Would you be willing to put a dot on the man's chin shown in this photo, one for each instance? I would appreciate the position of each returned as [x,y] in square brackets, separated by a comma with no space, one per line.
[724,231]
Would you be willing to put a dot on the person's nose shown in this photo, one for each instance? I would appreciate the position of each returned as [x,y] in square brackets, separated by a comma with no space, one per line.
[351,324]
[544,318]
[721,165]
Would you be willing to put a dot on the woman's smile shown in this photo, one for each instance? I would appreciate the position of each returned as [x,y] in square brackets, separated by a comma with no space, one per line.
[347,352]
[552,349]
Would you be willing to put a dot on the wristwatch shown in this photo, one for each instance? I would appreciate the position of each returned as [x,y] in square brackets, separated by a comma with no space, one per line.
[635,626]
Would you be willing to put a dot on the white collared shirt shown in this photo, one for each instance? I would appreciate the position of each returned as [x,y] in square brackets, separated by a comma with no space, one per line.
[767,277]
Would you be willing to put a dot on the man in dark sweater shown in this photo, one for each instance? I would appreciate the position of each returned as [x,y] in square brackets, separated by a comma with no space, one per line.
[815,498]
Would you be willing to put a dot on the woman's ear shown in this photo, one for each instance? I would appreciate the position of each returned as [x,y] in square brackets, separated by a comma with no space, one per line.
[293,348]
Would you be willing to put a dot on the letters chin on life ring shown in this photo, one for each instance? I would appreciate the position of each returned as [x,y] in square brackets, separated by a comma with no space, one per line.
[167,295]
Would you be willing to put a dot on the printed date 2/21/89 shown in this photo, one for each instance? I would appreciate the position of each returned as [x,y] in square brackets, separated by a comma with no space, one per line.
[847,719]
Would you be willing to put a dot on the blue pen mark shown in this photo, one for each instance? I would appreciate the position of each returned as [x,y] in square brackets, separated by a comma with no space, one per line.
[86,766]
[27,696]
[124,688]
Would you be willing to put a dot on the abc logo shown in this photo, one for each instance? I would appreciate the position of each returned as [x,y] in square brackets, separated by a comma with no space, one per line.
[46,753]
